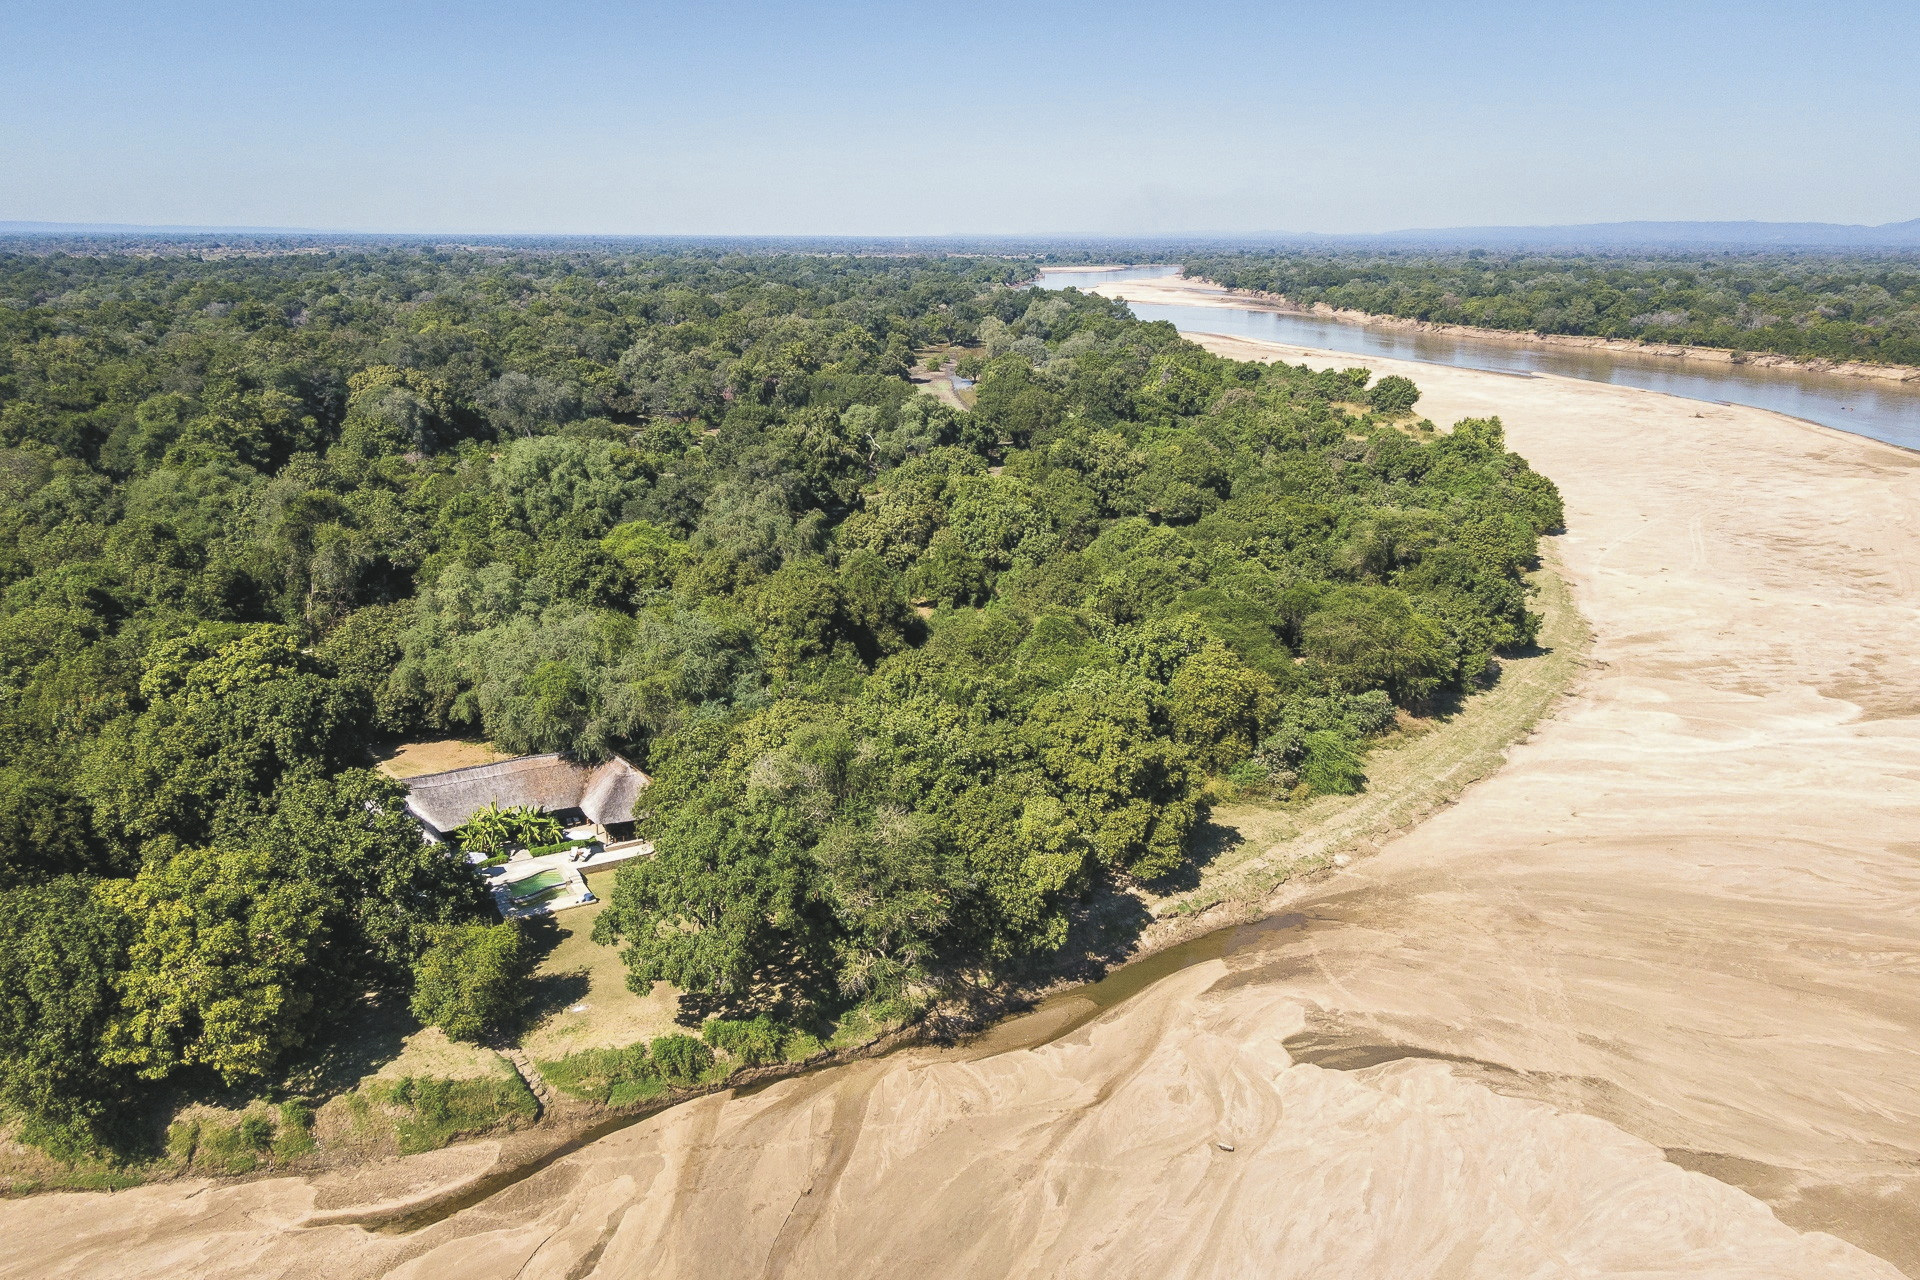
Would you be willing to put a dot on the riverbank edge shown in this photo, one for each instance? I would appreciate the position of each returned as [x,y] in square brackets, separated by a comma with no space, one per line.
[1474,744]
[1476,739]
[1281,304]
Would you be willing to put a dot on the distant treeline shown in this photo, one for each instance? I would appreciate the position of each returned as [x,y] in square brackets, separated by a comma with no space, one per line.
[1837,308]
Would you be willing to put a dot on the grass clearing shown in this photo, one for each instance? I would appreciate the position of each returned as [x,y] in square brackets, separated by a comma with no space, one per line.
[430,1052]
[579,995]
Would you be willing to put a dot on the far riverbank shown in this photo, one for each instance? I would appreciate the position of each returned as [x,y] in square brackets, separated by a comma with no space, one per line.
[1178,289]
[1878,408]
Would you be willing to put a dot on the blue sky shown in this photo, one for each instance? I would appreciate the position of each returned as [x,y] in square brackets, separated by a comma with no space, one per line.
[810,118]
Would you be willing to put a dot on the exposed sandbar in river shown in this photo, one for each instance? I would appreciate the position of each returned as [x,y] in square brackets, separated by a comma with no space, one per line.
[1644,1003]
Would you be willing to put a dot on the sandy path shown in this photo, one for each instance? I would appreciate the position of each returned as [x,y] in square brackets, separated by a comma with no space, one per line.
[1683,917]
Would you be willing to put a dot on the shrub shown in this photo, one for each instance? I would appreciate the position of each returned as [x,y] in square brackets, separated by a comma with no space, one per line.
[563,846]
[681,1059]
[497,830]
[602,1075]
[1394,395]
[182,1137]
[256,1131]
[752,1043]
[625,1093]
[436,1111]
[230,1148]
[1332,764]
[1253,779]
[296,1131]
[471,980]
[800,1046]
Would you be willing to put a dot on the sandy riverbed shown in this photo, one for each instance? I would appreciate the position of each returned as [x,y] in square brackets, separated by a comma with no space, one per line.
[1644,1003]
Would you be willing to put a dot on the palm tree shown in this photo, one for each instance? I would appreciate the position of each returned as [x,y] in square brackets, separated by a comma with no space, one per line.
[494,830]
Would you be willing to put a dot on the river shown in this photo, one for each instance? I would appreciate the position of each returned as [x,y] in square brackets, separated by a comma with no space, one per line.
[1886,411]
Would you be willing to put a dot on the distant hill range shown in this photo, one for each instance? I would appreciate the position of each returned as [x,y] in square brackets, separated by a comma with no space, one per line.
[136,229]
[1652,235]
[1830,236]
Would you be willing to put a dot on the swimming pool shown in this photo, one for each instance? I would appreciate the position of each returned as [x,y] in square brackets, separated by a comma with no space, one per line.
[534,885]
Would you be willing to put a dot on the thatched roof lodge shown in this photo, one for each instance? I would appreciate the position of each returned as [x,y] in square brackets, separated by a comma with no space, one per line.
[602,795]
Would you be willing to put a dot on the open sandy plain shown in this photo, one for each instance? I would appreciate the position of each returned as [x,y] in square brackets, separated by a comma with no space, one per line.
[1645,1003]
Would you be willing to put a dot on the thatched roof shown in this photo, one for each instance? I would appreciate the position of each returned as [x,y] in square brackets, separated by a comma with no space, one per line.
[611,791]
[605,792]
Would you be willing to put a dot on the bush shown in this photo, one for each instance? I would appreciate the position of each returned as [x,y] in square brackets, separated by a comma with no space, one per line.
[625,1093]
[563,847]
[1332,764]
[182,1137]
[296,1131]
[256,1131]
[497,830]
[681,1059]
[1321,742]
[1253,779]
[1393,396]
[800,1046]
[612,1076]
[232,1148]
[436,1111]
[751,1043]
[471,980]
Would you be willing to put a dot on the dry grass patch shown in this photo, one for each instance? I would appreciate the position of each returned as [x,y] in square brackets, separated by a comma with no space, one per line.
[429,1052]
[416,759]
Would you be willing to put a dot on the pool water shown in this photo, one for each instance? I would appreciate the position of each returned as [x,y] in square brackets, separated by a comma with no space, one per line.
[520,890]
[545,896]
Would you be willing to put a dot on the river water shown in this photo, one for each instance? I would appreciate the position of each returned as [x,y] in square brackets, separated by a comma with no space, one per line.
[1886,411]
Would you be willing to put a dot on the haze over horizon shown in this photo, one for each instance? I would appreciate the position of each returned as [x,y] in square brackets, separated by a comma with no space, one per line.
[823,118]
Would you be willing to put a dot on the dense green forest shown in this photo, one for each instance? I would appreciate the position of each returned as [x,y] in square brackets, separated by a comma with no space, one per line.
[1836,308]
[914,681]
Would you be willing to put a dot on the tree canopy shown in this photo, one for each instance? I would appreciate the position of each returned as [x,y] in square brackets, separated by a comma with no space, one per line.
[912,680]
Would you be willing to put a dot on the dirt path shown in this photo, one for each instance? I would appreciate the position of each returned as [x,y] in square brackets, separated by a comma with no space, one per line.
[1643,1003]
[939,385]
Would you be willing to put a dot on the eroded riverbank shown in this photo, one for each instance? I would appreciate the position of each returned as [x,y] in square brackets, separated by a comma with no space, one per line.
[1676,933]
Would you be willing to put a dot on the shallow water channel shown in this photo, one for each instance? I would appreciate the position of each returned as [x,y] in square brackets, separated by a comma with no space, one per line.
[1888,411]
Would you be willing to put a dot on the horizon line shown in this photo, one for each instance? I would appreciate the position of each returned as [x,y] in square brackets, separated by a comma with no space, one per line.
[34,227]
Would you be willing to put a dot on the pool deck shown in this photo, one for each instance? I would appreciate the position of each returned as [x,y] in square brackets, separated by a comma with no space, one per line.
[500,878]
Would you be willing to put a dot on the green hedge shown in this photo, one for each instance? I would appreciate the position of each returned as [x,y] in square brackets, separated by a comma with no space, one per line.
[542,850]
